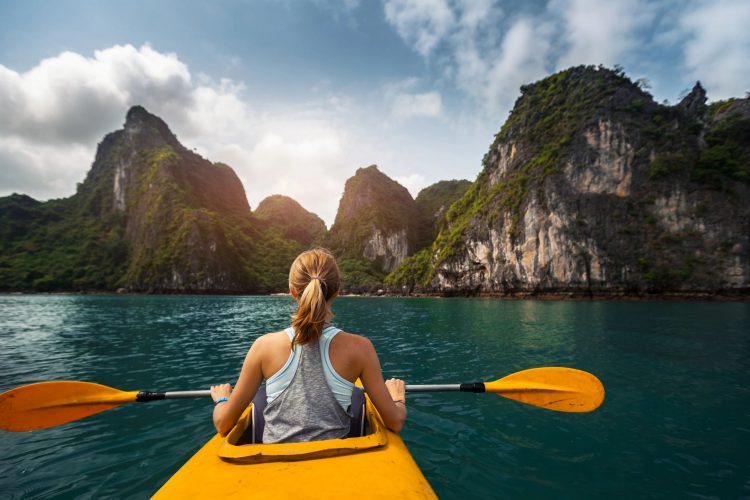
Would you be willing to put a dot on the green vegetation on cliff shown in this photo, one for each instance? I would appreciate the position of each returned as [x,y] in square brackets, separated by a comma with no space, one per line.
[150,216]
[727,155]
[52,246]
[373,209]
[544,120]
[588,177]
[291,220]
[591,149]
[434,199]
[414,271]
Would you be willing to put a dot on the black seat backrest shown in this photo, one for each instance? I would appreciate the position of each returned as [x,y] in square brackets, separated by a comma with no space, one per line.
[259,423]
[357,426]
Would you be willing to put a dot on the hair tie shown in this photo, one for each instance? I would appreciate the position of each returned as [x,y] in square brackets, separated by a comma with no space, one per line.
[315,278]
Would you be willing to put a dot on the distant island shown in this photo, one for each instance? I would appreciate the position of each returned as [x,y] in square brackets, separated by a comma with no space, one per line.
[590,189]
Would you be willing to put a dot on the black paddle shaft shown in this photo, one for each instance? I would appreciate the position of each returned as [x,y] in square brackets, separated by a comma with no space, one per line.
[145,396]
[472,387]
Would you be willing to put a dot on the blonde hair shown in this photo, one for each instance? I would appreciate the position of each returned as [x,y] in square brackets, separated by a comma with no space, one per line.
[314,278]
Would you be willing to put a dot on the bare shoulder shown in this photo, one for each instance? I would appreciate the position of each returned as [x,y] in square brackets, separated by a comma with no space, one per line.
[271,340]
[355,342]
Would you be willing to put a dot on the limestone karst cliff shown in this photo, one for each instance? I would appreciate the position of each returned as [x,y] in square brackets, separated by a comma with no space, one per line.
[152,216]
[378,224]
[293,222]
[592,188]
[435,199]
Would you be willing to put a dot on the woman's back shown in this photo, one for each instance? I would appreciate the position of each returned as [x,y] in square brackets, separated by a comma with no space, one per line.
[344,351]
[302,404]
[314,282]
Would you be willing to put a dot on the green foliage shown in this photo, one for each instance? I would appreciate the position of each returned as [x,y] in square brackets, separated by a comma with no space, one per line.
[434,201]
[56,248]
[358,273]
[727,157]
[669,277]
[544,120]
[441,194]
[666,164]
[291,220]
[636,105]
[372,201]
[413,271]
[450,236]
[718,107]
[372,198]
[183,234]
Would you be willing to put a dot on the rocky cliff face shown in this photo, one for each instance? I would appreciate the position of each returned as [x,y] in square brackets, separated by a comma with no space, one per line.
[150,216]
[378,224]
[177,209]
[388,249]
[589,188]
[592,188]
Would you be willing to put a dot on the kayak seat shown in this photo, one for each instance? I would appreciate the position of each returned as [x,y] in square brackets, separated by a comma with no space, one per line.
[357,426]
[258,423]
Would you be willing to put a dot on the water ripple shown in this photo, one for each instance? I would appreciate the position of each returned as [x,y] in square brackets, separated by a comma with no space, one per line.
[674,423]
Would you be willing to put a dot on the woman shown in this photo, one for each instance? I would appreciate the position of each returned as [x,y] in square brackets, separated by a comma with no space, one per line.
[310,368]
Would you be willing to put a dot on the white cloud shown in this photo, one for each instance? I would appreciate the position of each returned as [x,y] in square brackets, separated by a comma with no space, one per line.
[596,32]
[484,62]
[428,104]
[477,13]
[414,183]
[717,50]
[52,116]
[300,156]
[406,101]
[422,23]
[69,98]
[489,54]
[41,170]
[523,58]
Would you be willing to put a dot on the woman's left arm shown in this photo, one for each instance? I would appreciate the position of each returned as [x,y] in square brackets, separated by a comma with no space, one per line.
[251,376]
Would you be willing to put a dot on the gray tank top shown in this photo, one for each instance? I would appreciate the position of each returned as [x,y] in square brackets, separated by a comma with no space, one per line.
[307,410]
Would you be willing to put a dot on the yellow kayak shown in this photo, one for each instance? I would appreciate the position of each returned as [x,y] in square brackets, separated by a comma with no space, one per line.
[375,465]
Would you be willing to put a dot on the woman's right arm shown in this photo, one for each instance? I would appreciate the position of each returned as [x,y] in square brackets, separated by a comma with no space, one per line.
[226,414]
[389,398]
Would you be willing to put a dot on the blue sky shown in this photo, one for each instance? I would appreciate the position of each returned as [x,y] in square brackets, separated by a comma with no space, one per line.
[295,95]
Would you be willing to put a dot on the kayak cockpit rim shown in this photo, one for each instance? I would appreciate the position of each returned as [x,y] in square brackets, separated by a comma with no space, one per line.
[232,449]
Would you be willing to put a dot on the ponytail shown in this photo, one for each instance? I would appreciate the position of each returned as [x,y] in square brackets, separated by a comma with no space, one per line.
[314,276]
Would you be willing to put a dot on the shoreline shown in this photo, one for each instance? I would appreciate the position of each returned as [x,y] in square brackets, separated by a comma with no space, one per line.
[703,296]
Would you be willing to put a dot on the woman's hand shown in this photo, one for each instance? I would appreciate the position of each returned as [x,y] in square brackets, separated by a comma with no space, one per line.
[397,389]
[219,391]
[382,393]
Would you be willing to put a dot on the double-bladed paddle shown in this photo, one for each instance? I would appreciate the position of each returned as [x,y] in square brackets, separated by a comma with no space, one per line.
[47,404]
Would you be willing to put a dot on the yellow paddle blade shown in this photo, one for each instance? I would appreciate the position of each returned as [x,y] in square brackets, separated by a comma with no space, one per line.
[46,404]
[554,388]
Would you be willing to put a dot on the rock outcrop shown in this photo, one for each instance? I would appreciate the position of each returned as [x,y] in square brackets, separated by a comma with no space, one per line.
[378,224]
[285,215]
[434,200]
[592,188]
[150,216]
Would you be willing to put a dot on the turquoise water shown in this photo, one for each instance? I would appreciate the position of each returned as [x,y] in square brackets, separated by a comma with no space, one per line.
[675,423]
